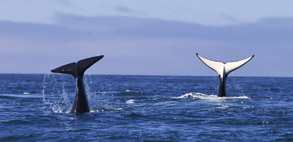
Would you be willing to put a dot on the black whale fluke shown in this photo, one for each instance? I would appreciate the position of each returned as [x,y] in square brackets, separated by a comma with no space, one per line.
[77,70]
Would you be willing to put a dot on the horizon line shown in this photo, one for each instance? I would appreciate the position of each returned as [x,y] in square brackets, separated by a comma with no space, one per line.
[148,75]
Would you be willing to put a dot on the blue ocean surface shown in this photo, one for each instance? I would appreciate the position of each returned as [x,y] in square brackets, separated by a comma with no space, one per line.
[35,107]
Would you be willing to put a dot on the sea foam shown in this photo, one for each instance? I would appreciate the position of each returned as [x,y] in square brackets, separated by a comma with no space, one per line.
[207,97]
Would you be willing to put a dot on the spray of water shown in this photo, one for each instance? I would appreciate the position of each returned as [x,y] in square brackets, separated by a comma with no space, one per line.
[55,96]
[93,97]
[97,100]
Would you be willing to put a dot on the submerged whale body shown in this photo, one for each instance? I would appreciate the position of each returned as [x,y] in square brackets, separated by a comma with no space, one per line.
[223,70]
[77,70]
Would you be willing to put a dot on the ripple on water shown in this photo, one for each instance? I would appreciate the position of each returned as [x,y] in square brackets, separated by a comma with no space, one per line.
[141,108]
[15,122]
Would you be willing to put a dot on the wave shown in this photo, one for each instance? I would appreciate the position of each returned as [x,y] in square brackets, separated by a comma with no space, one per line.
[63,111]
[20,96]
[57,108]
[202,96]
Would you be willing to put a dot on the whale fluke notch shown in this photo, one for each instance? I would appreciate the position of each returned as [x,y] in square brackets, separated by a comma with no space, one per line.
[223,70]
[77,70]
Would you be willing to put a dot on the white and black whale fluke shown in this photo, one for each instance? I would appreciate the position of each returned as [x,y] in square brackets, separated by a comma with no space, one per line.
[80,103]
[223,70]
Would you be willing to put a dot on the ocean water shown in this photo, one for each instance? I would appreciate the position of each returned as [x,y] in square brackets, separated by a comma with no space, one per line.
[35,107]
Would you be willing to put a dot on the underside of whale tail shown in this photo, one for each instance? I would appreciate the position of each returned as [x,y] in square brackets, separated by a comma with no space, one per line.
[77,69]
[223,69]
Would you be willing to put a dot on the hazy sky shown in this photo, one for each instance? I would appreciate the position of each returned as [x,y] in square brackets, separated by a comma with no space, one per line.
[148,37]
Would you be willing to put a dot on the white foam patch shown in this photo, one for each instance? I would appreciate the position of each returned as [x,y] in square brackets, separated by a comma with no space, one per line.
[131,101]
[95,111]
[69,111]
[61,111]
[110,108]
[26,93]
[132,91]
[207,97]
[223,107]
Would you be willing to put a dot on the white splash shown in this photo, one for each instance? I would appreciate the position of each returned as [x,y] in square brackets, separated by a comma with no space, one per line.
[131,101]
[95,111]
[26,93]
[57,99]
[208,97]
[111,108]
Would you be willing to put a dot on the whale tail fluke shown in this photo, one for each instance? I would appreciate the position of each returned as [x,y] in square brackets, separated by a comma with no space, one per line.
[78,68]
[80,103]
[223,68]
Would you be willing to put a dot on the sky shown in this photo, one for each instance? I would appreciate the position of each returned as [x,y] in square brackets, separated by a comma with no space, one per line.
[147,37]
